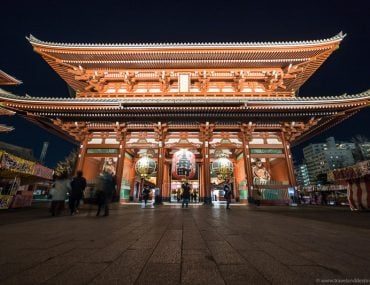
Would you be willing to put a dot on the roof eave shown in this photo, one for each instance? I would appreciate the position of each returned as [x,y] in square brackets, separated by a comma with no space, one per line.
[12,80]
[153,46]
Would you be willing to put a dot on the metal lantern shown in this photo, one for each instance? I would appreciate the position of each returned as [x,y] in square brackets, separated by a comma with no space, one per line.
[223,167]
[145,166]
[183,164]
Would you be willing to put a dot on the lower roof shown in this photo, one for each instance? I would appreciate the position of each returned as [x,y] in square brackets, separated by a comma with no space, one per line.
[324,111]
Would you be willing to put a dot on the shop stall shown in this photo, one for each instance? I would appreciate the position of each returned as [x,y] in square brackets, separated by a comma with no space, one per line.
[357,180]
[16,175]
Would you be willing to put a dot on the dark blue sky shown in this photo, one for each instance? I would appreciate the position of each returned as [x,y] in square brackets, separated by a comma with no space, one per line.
[346,71]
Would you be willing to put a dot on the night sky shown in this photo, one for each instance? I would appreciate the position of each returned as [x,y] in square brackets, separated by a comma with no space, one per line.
[346,70]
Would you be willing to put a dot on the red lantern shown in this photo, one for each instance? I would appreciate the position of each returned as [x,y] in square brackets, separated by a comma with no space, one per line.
[183,164]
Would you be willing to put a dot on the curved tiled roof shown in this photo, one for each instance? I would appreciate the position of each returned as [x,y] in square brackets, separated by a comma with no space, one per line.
[305,57]
[6,79]
[4,128]
[186,100]
[327,111]
[35,41]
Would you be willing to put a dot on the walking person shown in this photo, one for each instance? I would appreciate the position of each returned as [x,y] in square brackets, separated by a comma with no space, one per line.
[228,194]
[78,185]
[58,194]
[258,197]
[104,192]
[146,193]
[185,194]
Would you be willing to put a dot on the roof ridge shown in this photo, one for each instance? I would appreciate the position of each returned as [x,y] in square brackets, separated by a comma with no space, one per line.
[336,38]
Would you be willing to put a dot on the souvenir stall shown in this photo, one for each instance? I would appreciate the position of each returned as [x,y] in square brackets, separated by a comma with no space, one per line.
[16,174]
[330,195]
[357,178]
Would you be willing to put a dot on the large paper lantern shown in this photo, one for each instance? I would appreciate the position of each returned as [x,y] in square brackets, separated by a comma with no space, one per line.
[223,167]
[183,164]
[145,166]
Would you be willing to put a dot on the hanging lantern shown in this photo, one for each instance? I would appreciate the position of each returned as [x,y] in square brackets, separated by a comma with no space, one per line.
[145,166]
[223,167]
[183,164]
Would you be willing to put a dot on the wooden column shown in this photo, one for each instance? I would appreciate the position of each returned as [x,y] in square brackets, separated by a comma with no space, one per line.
[206,131]
[81,154]
[165,191]
[289,160]
[206,174]
[161,130]
[161,166]
[248,167]
[236,187]
[132,180]
[120,165]
[201,183]
[246,134]
[121,137]
[80,132]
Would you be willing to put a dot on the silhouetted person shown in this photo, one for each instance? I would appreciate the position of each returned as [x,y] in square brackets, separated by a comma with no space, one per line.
[228,194]
[146,193]
[185,194]
[105,188]
[324,199]
[58,194]
[192,196]
[78,185]
[257,198]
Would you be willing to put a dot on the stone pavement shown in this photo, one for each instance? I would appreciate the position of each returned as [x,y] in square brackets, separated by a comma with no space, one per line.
[198,245]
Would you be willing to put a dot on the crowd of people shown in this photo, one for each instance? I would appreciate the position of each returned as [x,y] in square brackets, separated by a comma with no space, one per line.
[104,190]
[74,188]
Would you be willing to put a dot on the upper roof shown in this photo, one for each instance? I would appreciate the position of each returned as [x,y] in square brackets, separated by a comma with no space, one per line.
[217,45]
[290,63]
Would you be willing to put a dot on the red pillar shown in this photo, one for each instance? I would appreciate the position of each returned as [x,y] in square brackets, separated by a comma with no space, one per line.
[81,155]
[247,164]
[289,160]
[206,174]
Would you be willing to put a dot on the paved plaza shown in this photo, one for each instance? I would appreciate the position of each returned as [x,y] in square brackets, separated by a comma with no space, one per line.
[198,245]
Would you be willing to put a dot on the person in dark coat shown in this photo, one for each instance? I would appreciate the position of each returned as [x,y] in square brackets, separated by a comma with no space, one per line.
[185,194]
[105,188]
[258,197]
[146,193]
[228,194]
[78,185]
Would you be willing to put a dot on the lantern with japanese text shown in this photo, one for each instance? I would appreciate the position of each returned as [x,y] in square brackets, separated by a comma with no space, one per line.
[183,164]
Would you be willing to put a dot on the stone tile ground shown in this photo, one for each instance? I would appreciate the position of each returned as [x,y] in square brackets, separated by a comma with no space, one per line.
[199,245]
